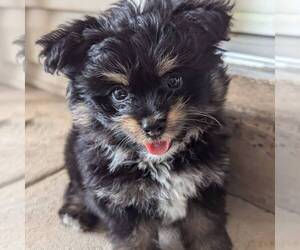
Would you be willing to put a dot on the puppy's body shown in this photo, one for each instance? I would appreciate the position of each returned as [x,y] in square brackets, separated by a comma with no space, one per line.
[146,151]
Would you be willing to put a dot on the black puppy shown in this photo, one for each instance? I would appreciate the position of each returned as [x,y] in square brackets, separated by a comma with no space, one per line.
[146,152]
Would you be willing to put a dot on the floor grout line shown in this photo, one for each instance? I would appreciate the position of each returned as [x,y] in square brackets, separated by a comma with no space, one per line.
[249,202]
[43,177]
[12,181]
[289,210]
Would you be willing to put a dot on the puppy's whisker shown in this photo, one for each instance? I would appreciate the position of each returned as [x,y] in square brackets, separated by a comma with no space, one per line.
[205,115]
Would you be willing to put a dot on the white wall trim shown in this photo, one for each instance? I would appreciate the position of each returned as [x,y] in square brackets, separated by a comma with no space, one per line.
[263,67]
[250,65]
[250,60]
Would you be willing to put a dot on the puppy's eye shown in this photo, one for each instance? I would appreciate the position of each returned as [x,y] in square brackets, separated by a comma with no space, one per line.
[119,94]
[175,83]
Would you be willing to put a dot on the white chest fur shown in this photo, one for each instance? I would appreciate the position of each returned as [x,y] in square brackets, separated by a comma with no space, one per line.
[173,200]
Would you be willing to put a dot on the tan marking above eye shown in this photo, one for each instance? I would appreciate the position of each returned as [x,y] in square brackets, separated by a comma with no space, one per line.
[116,77]
[118,74]
[166,64]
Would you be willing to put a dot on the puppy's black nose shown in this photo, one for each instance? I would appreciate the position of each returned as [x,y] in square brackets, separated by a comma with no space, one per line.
[154,128]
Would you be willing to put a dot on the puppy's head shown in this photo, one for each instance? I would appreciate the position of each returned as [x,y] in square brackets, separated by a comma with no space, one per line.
[148,72]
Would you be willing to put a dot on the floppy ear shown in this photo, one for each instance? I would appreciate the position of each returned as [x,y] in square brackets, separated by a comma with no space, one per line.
[64,49]
[210,16]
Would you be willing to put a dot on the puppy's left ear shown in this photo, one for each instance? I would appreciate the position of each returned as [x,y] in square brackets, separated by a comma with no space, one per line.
[209,16]
[64,49]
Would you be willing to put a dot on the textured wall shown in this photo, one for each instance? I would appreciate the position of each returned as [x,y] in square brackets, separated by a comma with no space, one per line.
[12,26]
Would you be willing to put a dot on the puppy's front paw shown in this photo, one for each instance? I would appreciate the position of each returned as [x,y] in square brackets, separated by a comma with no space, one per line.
[79,220]
[72,222]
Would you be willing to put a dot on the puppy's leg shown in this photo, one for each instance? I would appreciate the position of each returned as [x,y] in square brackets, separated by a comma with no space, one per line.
[74,213]
[170,238]
[204,230]
[144,236]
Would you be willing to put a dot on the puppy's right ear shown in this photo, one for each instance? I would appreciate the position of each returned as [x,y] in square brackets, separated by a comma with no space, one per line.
[64,49]
[211,16]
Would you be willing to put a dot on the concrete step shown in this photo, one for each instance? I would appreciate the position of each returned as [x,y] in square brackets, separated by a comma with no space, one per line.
[251,110]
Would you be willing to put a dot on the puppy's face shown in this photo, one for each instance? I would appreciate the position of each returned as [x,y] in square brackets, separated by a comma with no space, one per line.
[151,77]
[152,103]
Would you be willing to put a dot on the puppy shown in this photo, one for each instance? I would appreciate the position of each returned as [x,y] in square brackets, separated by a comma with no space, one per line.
[146,151]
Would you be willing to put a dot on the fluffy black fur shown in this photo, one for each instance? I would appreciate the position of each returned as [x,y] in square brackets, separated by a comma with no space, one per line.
[143,72]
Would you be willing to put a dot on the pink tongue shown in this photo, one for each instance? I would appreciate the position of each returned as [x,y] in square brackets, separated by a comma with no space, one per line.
[158,147]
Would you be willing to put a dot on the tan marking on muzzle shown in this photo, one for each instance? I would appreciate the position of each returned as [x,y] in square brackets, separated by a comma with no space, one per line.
[131,126]
[175,119]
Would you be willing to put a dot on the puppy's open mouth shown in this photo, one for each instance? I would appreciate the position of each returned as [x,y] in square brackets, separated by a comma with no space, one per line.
[158,147]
